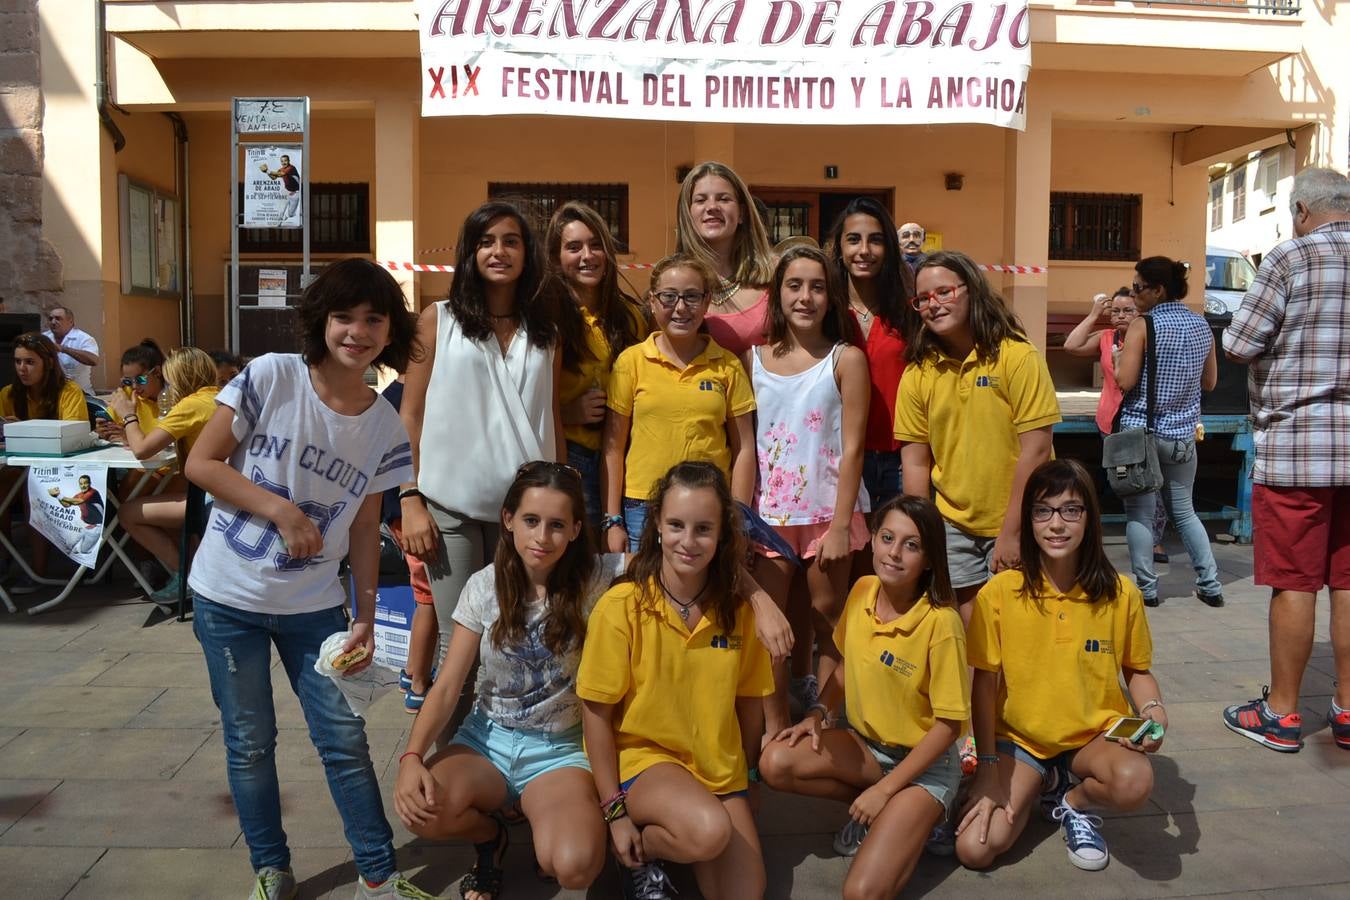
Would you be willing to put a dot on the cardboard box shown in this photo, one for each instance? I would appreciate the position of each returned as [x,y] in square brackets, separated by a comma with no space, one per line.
[47,436]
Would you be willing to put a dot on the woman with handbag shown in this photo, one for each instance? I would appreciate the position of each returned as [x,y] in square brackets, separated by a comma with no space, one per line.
[1185,363]
[1102,345]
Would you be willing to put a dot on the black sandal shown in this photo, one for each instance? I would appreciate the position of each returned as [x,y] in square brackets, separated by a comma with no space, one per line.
[486,875]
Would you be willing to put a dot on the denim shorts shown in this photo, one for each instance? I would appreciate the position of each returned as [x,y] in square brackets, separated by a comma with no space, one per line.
[940,780]
[519,754]
[634,517]
[587,463]
[1008,748]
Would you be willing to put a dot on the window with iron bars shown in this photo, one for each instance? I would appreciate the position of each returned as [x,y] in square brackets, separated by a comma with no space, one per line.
[1095,226]
[339,222]
[539,200]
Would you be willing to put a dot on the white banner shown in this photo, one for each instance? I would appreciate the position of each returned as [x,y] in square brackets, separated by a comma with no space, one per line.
[830,62]
[272,186]
[68,509]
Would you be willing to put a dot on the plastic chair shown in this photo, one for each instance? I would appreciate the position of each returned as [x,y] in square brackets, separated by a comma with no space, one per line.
[194,529]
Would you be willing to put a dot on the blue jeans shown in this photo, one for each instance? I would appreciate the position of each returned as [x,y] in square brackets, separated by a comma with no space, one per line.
[1177,459]
[634,517]
[238,649]
[587,462]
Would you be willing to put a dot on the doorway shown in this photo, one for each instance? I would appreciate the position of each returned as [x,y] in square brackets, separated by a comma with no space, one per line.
[811,211]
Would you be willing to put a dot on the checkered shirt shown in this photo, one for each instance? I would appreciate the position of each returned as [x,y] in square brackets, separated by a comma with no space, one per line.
[1184,340]
[1294,327]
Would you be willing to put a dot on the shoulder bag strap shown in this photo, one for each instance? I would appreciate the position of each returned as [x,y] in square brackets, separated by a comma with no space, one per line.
[1151,354]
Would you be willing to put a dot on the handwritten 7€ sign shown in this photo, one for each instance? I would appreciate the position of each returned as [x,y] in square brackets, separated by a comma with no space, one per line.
[269,116]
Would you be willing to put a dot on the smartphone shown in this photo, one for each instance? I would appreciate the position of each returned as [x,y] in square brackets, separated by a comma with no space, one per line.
[1129,728]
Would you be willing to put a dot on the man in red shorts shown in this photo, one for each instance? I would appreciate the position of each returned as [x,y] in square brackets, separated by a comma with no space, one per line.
[1294,329]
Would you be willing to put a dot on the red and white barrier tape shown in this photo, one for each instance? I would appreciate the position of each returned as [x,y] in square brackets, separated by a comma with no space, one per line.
[429,267]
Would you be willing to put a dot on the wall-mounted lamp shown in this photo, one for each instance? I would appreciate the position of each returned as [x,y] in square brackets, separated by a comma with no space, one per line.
[955,181]
[831,171]
[681,173]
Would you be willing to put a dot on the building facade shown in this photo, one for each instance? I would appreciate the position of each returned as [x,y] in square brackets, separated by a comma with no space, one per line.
[1128,107]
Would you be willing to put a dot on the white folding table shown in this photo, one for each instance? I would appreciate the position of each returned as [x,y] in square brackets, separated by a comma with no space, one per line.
[115,457]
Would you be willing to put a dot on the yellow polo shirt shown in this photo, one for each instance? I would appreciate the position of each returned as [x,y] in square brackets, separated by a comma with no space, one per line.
[901,676]
[1061,659]
[188,417]
[147,414]
[970,413]
[675,690]
[70,404]
[593,370]
[677,414]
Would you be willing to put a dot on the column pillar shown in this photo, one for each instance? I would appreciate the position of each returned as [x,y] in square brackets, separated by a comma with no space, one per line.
[1026,218]
[397,125]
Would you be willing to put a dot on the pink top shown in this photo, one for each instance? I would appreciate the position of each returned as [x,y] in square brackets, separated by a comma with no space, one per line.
[1109,404]
[739,331]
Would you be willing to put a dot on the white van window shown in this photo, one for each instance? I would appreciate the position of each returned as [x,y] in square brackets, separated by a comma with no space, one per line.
[1228,273]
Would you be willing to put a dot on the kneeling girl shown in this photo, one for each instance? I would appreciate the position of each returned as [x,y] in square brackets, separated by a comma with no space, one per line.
[1049,641]
[523,618]
[673,679]
[903,676]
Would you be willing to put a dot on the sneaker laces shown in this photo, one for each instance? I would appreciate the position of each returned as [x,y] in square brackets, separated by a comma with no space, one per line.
[1082,826]
[406,890]
[650,882]
[267,882]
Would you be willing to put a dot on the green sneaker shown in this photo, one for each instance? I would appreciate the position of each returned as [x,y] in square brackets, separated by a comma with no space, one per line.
[395,887]
[274,884]
[169,593]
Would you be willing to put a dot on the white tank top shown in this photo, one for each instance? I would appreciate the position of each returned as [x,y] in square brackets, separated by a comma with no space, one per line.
[798,442]
[486,414]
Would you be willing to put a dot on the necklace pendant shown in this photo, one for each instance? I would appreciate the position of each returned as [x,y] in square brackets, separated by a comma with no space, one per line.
[684,613]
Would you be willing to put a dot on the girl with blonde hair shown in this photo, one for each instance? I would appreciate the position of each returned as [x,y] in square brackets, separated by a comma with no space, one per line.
[156,522]
[718,225]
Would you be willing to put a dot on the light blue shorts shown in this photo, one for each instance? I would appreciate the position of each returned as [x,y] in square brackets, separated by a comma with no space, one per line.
[521,755]
[940,780]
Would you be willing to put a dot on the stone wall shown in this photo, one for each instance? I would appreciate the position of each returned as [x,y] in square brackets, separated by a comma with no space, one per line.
[30,269]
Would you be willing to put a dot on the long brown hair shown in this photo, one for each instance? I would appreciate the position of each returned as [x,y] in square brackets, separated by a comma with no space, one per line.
[991,321]
[895,280]
[836,325]
[619,311]
[751,256]
[564,625]
[1095,574]
[935,581]
[53,378]
[722,597]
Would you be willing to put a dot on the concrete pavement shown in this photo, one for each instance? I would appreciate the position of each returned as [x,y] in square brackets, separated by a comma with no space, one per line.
[112,776]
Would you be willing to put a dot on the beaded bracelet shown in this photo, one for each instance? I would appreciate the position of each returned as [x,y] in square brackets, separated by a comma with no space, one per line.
[615,807]
[609,522]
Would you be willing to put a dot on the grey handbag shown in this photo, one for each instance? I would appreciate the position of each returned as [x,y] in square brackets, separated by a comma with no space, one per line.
[1130,457]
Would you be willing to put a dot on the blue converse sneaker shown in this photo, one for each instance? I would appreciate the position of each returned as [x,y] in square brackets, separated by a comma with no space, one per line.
[1256,721]
[1082,836]
[849,838]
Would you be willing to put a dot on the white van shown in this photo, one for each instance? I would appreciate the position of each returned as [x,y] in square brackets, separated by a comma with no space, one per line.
[1228,275]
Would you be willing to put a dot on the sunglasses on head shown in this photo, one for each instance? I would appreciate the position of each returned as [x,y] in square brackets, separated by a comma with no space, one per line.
[542,465]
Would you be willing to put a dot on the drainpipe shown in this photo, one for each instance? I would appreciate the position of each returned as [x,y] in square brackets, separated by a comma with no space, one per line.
[183,189]
[101,85]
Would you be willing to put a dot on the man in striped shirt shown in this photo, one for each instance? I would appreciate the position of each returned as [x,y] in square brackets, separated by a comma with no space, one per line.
[1294,330]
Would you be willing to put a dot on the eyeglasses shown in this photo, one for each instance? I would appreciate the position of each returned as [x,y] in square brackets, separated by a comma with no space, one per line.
[1138,288]
[672,299]
[138,381]
[905,234]
[534,467]
[945,296]
[1070,512]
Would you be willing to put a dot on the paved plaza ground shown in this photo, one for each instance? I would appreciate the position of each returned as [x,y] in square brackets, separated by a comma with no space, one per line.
[112,776]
